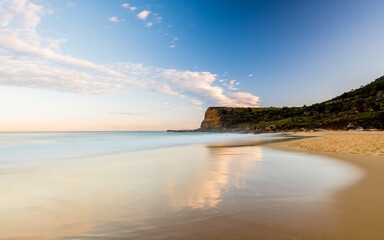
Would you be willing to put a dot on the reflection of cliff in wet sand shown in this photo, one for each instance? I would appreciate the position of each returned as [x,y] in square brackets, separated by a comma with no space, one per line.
[256,141]
[205,189]
[361,205]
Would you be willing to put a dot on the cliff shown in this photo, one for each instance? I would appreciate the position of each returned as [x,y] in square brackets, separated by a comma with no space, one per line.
[212,119]
[360,108]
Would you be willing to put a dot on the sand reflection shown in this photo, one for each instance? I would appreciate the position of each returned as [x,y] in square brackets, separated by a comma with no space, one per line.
[224,168]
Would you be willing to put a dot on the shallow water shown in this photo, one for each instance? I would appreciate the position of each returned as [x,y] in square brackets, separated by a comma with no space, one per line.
[37,147]
[85,186]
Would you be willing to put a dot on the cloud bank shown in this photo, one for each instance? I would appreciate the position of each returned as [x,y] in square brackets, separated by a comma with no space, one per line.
[30,60]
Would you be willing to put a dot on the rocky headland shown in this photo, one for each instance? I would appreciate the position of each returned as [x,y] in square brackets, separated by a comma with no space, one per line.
[359,109]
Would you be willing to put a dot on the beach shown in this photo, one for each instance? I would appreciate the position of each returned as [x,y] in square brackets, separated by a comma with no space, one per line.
[124,185]
[351,142]
[360,205]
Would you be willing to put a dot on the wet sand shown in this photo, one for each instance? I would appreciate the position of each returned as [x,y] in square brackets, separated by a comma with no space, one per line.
[360,206]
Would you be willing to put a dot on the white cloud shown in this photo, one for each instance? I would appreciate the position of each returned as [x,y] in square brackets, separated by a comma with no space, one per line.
[143,15]
[250,75]
[231,85]
[172,46]
[126,5]
[149,24]
[115,20]
[30,60]
[26,13]
[18,45]
[164,87]
[200,84]
[33,72]
[245,99]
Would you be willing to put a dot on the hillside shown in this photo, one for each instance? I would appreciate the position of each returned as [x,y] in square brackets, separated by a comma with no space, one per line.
[360,108]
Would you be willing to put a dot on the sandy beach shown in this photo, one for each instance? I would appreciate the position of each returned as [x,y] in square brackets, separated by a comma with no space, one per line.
[353,142]
[360,205]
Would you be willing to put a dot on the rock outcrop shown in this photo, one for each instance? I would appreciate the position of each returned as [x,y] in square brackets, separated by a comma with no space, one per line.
[212,120]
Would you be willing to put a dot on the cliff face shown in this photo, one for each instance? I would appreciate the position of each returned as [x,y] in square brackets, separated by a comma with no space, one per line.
[212,120]
[360,108]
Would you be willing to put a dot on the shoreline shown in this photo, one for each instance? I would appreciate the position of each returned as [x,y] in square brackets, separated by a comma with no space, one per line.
[240,193]
[361,211]
[194,186]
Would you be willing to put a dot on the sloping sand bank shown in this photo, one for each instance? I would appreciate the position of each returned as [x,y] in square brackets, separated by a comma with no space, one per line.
[361,205]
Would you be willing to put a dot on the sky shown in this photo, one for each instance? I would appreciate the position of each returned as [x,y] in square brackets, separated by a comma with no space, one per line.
[112,65]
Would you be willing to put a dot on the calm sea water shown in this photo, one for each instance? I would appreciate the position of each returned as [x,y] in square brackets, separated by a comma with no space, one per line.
[24,147]
[158,185]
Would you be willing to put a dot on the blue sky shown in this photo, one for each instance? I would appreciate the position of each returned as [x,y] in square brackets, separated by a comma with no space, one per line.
[157,64]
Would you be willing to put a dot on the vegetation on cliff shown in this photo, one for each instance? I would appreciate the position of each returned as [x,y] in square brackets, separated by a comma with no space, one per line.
[363,107]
